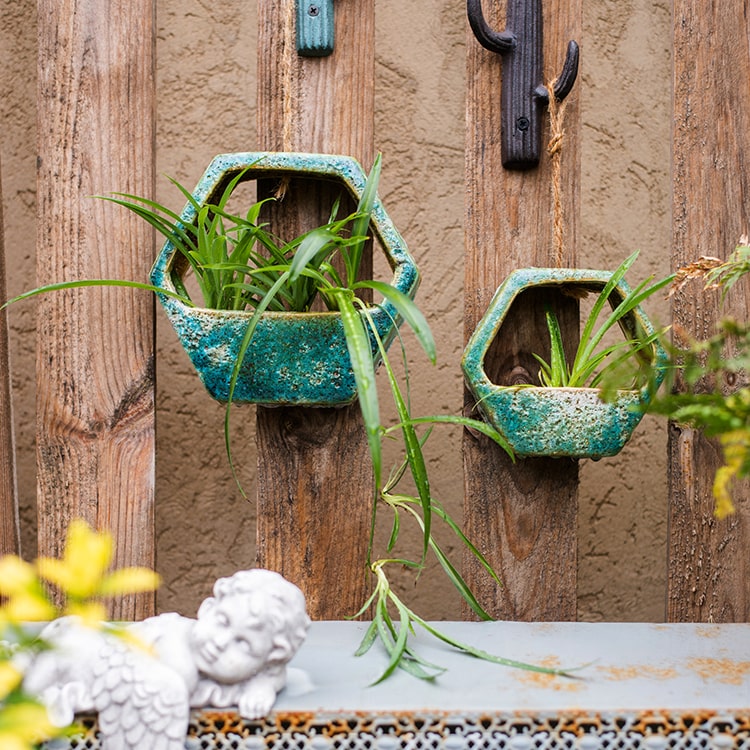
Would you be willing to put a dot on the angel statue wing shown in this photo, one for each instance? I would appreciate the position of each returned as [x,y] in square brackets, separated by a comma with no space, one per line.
[141,702]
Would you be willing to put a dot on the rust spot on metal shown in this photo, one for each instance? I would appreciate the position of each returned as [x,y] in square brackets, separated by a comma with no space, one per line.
[708,631]
[637,671]
[550,681]
[727,671]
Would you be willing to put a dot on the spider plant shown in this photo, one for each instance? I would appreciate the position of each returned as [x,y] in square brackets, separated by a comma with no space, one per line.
[629,358]
[239,265]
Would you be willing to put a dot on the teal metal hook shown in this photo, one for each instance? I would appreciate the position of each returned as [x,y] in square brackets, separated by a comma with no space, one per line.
[315,31]
[524,95]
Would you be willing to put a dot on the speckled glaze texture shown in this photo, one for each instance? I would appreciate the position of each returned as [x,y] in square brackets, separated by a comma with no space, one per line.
[293,358]
[555,422]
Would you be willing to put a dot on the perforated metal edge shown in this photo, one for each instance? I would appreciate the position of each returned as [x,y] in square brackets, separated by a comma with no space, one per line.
[412,731]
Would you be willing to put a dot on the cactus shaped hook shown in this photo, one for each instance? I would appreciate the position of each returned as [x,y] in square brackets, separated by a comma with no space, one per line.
[524,94]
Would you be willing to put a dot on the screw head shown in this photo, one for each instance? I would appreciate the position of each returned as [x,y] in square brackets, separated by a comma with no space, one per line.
[523,124]
[313,10]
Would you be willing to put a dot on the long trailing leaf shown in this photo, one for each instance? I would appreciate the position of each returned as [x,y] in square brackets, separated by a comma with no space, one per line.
[408,310]
[413,447]
[396,647]
[387,633]
[444,516]
[474,424]
[82,283]
[360,353]
[450,570]
[475,552]
[486,656]
[371,634]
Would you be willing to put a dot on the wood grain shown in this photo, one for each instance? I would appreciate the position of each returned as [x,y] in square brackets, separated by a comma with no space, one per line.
[9,523]
[708,561]
[95,352]
[523,515]
[314,475]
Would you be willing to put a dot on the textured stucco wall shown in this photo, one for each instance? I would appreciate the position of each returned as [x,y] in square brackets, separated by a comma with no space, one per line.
[206,73]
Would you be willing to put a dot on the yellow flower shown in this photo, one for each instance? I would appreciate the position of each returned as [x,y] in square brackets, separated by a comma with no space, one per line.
[10,678]
[129,581]
[16,576]
[91,613]
[24,725]
[27,607]
[85,560]
[10,741]
[26,597]
[82,573]
[736,447]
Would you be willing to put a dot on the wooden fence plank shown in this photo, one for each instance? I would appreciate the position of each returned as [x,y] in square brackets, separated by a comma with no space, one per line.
[95,352]
[708,560]
[9,526]
[314,477]
[522,516]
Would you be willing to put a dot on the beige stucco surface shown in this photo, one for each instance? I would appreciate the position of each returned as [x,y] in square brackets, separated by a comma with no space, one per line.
[206,105]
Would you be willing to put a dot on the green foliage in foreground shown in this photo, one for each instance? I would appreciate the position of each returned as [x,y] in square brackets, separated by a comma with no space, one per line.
[702,373]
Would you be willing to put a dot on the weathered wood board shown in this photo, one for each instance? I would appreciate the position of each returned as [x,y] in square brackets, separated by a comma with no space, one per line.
[523,515]
[708,564]
[95,351]
[314,475]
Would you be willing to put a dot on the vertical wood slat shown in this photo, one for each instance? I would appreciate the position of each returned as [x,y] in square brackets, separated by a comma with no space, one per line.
[523,515]
[708,562]
[314,475]
[9,524]
[95,351]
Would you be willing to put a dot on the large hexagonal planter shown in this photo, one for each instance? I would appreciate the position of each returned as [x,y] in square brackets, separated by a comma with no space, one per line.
[293,358]
[540,421]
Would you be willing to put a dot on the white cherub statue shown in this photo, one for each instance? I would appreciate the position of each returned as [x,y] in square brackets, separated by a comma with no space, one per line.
[234,654]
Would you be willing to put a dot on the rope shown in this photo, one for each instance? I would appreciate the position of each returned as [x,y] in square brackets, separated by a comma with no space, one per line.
[554,150]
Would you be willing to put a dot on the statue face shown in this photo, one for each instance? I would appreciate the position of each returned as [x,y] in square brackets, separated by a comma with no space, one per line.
[232,639]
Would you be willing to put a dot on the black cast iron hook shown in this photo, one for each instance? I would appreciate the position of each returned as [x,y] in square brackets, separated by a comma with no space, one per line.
[524,94]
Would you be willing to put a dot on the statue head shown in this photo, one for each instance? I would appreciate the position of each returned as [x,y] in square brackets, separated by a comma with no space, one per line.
[255,621]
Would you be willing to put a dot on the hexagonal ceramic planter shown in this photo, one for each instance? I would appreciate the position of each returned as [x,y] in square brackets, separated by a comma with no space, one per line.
[293,358]
[540,421]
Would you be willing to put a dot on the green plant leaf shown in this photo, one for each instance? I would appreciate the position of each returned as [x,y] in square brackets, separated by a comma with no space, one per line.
[360,353]
[81,283]
[408,310]
[361,225]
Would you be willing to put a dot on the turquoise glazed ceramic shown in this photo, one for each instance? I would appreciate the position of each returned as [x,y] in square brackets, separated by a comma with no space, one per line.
[555,422]
[293,358]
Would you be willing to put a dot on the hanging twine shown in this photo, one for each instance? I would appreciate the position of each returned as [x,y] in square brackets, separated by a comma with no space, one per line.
[287,87]
[554,150]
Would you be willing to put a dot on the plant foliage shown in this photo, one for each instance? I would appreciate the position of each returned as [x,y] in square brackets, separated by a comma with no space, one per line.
[631,359]
[81,578]
[239,265]
[700,399]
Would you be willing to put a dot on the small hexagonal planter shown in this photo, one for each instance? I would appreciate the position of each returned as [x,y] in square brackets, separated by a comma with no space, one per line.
[293,358]
[555,422]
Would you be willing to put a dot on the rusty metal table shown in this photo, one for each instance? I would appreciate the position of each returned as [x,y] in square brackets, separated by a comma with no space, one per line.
[652,686]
